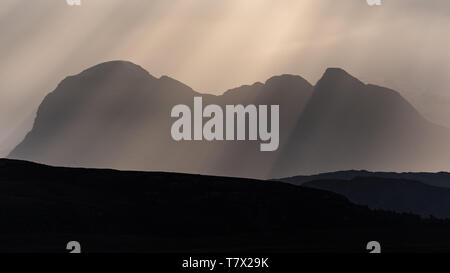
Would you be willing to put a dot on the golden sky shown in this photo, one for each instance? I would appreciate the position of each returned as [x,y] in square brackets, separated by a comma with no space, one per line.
[214,45]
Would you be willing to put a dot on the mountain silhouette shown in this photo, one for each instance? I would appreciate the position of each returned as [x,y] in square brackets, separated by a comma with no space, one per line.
[117,115]
[350,125]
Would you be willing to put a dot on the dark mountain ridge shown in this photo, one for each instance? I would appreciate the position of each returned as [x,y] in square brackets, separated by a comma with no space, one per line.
[425,194]
[440,179]
[404,196]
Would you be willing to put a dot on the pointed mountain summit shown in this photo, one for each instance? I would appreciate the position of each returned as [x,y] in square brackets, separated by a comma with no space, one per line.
[337,78]
[117,115]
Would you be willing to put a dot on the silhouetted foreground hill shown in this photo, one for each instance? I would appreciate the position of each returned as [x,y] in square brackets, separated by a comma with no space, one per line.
[426,194]
[42,208]
[117,115]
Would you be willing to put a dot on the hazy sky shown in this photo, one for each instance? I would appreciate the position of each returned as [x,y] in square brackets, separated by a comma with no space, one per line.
[214,45]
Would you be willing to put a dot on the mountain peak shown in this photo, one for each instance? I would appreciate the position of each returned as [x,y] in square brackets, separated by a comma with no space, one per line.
[116,67]
[336,71]
[116,64]
[286,79]
[338,78]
